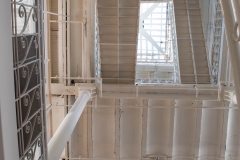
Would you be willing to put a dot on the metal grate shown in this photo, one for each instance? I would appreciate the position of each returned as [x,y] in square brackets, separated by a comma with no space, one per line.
[28,74]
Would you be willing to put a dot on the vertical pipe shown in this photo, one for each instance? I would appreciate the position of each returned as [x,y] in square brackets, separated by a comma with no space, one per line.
[64,131]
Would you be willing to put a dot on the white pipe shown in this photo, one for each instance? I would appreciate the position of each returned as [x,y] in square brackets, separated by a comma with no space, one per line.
[56,14]
[232,45]
[64,131]
[83,56]
[55,21]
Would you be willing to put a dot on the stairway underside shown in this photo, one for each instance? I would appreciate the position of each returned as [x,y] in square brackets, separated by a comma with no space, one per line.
[193,59]
[118,31]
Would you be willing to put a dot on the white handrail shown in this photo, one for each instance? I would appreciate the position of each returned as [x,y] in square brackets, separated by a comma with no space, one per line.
[64,131]
[175,47]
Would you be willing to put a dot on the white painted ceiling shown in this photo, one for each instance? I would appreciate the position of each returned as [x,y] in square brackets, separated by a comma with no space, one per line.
[118,31]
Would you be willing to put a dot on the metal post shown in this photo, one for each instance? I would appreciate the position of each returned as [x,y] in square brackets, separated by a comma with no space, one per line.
[64,131]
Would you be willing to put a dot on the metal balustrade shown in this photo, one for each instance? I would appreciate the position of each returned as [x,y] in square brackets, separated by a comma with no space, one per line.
[174,44]
[97,48]
[28,63]
[216,42]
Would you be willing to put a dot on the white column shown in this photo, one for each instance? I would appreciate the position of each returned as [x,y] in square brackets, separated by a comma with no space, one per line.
[8,124]
[233,135]
[211,132]
[184,131]
[64,131]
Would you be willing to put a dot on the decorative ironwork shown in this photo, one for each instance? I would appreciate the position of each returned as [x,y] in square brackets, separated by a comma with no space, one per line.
[217,40]
[174,44]
[153,81]
[97,49]
[28,74]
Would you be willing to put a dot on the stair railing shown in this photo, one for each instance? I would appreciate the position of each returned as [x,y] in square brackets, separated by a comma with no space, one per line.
[216,43]
[174,44]
[97,47]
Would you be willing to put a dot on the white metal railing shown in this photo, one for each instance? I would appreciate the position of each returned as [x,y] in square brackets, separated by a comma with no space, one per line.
[28,63]
[216,42]
[97,47]
[153,81]
[174,44]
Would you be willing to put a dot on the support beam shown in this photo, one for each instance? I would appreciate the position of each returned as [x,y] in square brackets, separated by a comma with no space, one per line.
[64,131]
[173,92]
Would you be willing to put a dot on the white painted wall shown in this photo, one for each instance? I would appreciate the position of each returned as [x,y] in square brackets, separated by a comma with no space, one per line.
[8,125]
[81,11]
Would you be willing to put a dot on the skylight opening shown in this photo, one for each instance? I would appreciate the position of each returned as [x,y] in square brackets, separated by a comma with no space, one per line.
[154,53]
[152,33]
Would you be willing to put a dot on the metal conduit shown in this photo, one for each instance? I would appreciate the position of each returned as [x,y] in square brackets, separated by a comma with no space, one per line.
[64,131]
